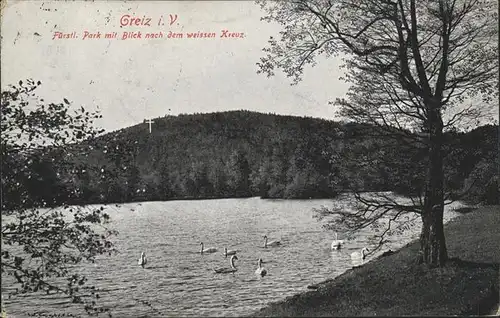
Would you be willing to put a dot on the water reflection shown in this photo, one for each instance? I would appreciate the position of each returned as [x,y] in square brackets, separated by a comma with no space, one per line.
[179,281]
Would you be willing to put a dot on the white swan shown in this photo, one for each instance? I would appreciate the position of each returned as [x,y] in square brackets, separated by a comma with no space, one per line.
[360,255]
[272,243]
[226,270]
[207,250]
[261,270]
[229,252]
[337,244]
[143,260]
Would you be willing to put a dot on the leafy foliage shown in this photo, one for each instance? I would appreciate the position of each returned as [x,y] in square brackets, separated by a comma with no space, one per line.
[42,245]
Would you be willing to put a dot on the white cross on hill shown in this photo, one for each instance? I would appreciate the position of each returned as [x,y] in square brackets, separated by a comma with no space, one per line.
[150,122]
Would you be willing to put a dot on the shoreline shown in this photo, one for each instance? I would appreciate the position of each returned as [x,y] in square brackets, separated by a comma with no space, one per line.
[202,198]
[393,284]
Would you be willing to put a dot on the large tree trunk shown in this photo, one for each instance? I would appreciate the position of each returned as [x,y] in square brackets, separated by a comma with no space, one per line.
[432,239]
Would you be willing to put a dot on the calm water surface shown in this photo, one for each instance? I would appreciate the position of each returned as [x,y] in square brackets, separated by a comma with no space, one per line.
[179,281]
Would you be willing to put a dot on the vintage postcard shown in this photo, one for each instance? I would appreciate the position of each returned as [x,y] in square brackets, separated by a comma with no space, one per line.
[249,158]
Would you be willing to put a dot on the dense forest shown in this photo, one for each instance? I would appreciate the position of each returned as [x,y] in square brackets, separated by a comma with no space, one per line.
[243,153]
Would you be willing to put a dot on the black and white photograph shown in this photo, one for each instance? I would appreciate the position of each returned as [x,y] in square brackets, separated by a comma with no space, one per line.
[296,158]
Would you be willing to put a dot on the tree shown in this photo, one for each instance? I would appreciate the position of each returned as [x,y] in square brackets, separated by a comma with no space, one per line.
[42,244]
[260,184]
[304,178]
[165,185]
[202,185]
[415,68]
[218,177]
[239,173]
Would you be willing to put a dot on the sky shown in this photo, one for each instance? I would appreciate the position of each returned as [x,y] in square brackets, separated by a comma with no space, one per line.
[134,79]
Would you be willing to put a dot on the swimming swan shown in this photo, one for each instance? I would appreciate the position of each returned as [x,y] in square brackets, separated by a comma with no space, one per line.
[143,260]
[337,244]
[226,270]
[272,243]
[207,250]
[229,252]
[261,270]
[360,255]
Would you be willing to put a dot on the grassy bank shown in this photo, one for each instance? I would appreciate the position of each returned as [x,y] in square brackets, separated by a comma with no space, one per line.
[395,285]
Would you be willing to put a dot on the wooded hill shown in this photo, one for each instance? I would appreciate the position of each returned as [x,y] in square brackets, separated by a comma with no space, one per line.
[243,153]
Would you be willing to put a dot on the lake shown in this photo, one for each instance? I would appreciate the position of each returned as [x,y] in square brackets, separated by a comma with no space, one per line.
[179,281]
